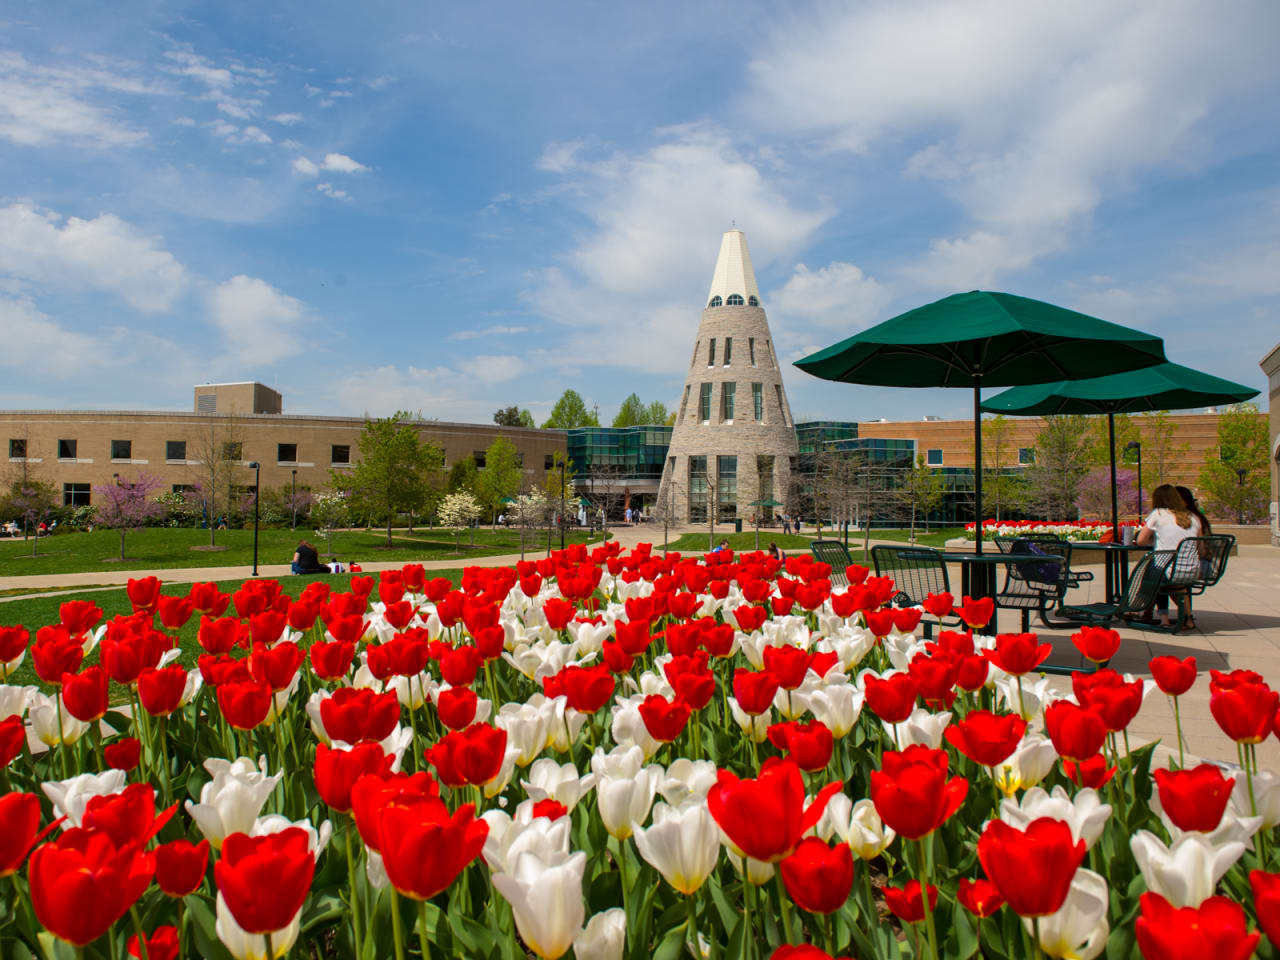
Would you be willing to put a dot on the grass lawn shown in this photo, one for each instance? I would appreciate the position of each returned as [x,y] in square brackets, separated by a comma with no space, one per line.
[42,611]
[158,548]
[790,543]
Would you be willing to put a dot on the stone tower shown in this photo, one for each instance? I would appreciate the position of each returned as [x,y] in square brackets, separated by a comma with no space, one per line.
[734,437]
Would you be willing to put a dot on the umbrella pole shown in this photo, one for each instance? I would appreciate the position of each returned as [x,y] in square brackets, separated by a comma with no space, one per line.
[1115,510]
[977,465]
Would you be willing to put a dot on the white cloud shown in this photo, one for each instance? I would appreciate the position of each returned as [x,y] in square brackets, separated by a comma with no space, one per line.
[838,295]
[261,324]
[494,331]
[252,134]
[305,167]
[329,190]
[184,122]
[287,119]
[560,157]
[490,368]
[233,110]
[1030,114]
[105,253]
[42,105]
[36,344]
[435,392]
[341,163]
[200,68]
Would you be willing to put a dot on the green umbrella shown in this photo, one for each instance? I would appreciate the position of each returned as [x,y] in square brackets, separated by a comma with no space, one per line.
[982,339]
[1165,386]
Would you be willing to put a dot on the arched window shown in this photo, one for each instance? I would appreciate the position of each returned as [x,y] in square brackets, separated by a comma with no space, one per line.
[753,301]
[733,300]
[715,301]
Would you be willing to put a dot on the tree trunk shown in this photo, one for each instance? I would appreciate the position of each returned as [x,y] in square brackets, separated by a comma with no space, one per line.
[122,533]
[389,518]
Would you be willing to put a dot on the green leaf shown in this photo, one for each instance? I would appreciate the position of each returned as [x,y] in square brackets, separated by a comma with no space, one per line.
[203,929]
[672,946]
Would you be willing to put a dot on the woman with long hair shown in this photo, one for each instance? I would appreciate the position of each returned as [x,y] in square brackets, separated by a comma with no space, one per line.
[1168,524]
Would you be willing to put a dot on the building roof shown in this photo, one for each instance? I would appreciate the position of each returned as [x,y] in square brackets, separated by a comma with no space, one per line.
[733,273]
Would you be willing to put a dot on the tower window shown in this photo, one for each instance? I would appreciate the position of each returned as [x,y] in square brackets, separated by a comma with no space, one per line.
[733,300]
[684,403]
[728,350]
[704,402]
[697,345]
[728,392]
[715,301]
[753,301]
[757,400]
[751,349]
[711,353]
[782,411]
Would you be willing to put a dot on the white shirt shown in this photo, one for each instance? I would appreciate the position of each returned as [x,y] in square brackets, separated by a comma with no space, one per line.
[1164,524]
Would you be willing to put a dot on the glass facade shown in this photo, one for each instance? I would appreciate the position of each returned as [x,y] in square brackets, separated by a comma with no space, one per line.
[814,435]
[726,488]
[697,489]
[639,451]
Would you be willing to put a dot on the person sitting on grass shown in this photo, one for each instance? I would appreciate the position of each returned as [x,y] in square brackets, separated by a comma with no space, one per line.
[307,560]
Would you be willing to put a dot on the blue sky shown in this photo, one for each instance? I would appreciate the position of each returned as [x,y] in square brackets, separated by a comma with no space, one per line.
[451,208]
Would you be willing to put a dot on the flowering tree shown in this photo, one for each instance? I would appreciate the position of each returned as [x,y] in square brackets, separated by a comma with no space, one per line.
[1093,498]
[330,511]
[458,510]
[128,504]
[528,511]
[34,501]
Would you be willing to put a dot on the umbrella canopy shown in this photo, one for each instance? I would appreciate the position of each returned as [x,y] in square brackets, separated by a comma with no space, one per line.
[1165,386]
[981,339]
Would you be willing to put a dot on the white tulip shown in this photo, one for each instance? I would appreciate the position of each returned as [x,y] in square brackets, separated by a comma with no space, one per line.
[280,699]
[527,730]
[253,946]
[922,727]
[838,811]
[604,937]
[1084,813]
[232,800]
[8,668]
[683,844]
[758,872]
[503,777]
[14,700]
[376,870]
[687,781]
[864,831]
[546,901]
[851,646]
[1187,872]
[317,840]
[837,705]
[1036,694]
[755,726]
[1030,763]
[195,681]
[1079,928]
[564,724]
[624,788]
[70,797]
[627,726]
[549,780]
[509,837]
[1266,796]
[44,716]
[414,692]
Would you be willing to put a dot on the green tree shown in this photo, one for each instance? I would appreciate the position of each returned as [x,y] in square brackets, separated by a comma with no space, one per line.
[507,416]
[1161,452]
[1099,442]
[33,502]
[396,470]
[463,475]
[920,491]
[632,413]
[526,420]
[656,412]
[570,411]
[551,484]
[1062,460]
[501,476]
[1002,490]
[1236,476]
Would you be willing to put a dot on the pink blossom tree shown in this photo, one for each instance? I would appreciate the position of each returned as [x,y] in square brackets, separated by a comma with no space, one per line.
[1093,499]
[34,501]
[128,504]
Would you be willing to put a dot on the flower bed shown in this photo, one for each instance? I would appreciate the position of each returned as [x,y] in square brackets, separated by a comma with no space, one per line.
[615,755]
[1073,530]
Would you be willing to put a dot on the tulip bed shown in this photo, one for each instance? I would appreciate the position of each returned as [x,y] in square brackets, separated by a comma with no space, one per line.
[1073,530]
[611,755]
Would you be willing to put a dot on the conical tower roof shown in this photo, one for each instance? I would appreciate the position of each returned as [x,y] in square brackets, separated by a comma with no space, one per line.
[734,437]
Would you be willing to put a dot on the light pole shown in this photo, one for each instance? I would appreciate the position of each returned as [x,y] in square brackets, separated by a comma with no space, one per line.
[294,500]
[1135,445]
[1241,473]
[563,518]
[256,467]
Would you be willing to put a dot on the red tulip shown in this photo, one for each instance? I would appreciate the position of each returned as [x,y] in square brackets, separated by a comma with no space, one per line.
[144,594]
[13,642]
[84,695]
[373,791]
[879,622]
[1077,733]
[123,754]
[245,704]
[1229,680]
[803,952]
[939,604]
[456,707]
[935,676]
[615,657]
[181,866]
[356,715]
[175,611]
[207,598]
[664,719]
[302,614]
[13,735]
[471,756]
[971,672]
[1173,676]
[336,771]
[986,738]
[1245,712]
[20,814]
[788,665]
[558,612]
[276,665]
[1194,799]
[906,904]
[222,669]
[161,690]
[82,883]
[693,684]
[550,808]
[222,636]
[460,665]
[808,744]
[1098,644]
[1018,653]
[912,793]
[587,688]
[332,661]
[127,817]
[430,847]
[754,690]
[750,619]
[1214,929]
[161,945]
[976,613]
[1031,868]
[79,616]
[1115,701]
[55,653]
[634,638]
[893,698]
[1092,772]
[980,897]
[818,877]
[264,880]
[766,817]
[1266,902]
[267,627]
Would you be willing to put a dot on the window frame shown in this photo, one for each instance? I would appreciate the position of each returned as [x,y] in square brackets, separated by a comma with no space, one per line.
[711,353]
[333,455]
[168,449]
[757,401]
[71,492]
[17,448]
[121,450]
[728,351]
[728,401]
[280,449]
[704,401]
[928,457]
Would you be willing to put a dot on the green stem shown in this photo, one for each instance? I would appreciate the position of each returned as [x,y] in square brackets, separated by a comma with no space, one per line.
[351,877]
[748,937]
[692,902]
[62,747]
[784,905]
[137,928]
[422,932]
[1035,926]
[1177,721]
[271,950]
[828,937]
[396,933]
[930,926]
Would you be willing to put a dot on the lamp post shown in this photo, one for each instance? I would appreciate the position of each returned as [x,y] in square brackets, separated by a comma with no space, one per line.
[1135,445]
[563,518]
[294,500]
[1241,473]
[257,486]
